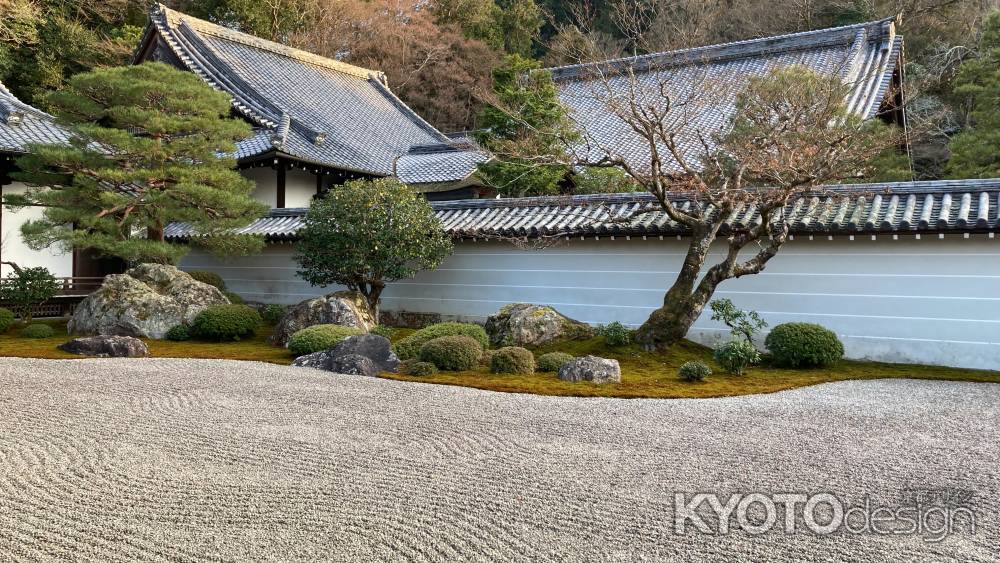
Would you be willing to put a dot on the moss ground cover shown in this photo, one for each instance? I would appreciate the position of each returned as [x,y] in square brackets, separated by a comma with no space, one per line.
[644,374]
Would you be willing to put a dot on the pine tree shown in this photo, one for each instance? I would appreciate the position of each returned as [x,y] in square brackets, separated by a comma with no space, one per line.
[150,145]
[975,152]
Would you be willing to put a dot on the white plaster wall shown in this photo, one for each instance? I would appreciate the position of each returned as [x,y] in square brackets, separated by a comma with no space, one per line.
[924,301]
[14,249]
[300,186]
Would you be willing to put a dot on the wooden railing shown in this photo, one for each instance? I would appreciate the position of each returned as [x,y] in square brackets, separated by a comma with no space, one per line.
[71,291]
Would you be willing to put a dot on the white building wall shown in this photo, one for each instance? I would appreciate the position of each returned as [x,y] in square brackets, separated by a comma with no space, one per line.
[13,248]
[300,186]
[925,301]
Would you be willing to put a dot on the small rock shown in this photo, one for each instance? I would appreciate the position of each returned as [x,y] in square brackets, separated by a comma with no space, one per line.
[524,324]
[354,364]
[107,347]
[591,368]
[345,308]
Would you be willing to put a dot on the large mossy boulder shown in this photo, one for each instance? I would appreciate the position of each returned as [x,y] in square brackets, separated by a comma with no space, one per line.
[146,301]
[524,324]
[345,308]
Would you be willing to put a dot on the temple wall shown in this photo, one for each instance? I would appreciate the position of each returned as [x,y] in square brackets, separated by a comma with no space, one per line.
[13,249]
[927,300]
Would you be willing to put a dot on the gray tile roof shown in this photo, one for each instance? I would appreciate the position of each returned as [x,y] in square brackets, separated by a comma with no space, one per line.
[906,207]
[21,124]
[317,110]
[707,80]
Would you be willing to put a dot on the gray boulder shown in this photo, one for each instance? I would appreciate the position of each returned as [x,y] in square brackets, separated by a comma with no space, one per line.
[344,356]
[524,324]
[147,300]
[591,368]
[346,308]
[354,364]
[107,347]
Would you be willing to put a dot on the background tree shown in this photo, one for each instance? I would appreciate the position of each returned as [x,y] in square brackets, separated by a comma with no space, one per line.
[149,146]
[975,152]
[526,126]
[44,42]
[275,20]
[367,233]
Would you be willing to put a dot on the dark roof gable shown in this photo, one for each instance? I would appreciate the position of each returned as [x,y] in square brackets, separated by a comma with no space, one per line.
[307,107]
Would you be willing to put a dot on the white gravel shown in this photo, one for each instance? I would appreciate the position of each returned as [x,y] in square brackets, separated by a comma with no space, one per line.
[186,460]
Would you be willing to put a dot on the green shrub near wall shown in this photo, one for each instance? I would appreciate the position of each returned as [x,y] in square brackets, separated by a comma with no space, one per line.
[317,338]
[226,322]
[6,319]
[37,331]
[454,353]
[409,347]
[803,345]
[513,359]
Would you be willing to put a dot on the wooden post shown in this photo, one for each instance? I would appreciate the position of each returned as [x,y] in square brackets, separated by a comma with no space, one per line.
[280,204]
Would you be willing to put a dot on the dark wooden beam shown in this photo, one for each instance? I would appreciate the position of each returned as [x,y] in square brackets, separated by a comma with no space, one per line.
[281,186]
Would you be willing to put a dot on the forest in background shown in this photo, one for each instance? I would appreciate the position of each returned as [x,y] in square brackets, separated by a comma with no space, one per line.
[439,55]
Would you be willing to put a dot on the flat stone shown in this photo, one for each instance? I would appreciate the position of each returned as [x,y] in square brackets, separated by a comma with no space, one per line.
[107,347]
[593,369]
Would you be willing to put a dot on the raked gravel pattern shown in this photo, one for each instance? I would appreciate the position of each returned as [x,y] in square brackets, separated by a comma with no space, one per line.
[187,460]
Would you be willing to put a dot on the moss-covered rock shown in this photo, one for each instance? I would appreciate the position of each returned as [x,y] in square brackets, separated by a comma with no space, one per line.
[344,308]
[524,324]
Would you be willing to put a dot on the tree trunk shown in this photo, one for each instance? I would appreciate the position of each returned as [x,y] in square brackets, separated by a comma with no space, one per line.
[682,305]
[374,295]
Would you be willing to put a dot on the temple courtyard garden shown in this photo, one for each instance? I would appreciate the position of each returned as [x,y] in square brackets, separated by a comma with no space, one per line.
[190,460]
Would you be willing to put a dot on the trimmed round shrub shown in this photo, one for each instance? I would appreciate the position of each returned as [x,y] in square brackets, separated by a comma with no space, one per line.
[454,353]
[736,356]
[615,334]
[409,347]
[486,357]
[421,368]
[272,314]
[317,338]
[179,333]
[693,371]
[512,359]
[211,278]
[803,345]
[37,331]
[234,298]
[6,319]
[225,322]
[553,361]
[383,331]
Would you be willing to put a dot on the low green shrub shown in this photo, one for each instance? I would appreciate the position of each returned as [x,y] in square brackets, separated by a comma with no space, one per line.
[6,319]
[272,314]
[693,371]
[234,298]
[803,345]
[211,278]
[382,330]
[409,347]
[615,334]
[317,338]
[421,368]
[553,361]
[179,333]
[37,331]
[736,356]
[512,359]
[225,322]
[453,353]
